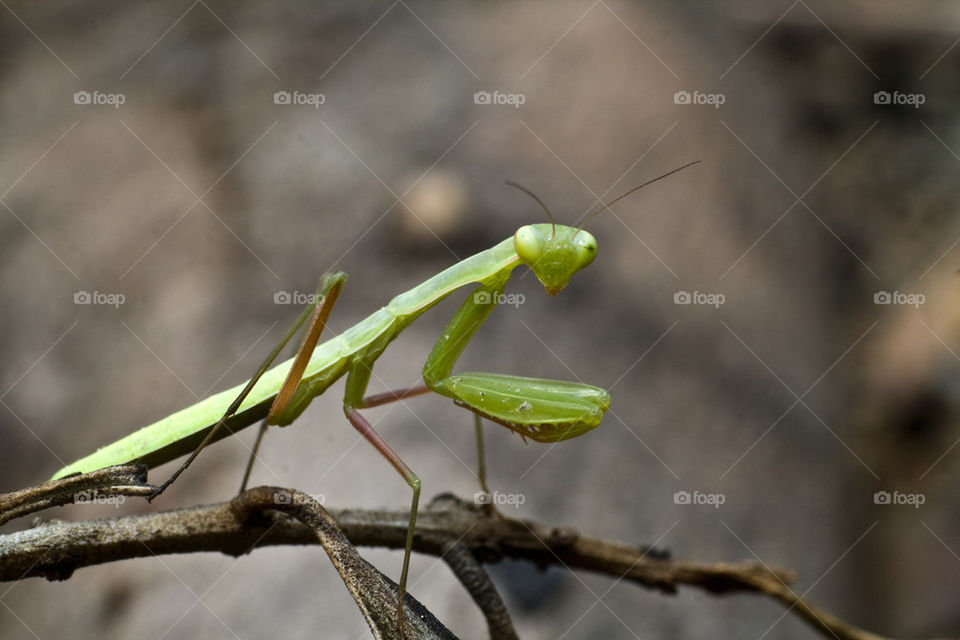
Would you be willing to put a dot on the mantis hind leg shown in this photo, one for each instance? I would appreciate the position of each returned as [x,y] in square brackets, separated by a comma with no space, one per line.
[357,381]
[489,504]
[319,309]
[392,396]
[253,455]
[481,456]
[362,425]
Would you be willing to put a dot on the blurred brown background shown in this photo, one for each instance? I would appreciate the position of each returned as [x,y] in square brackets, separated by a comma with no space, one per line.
[199,198]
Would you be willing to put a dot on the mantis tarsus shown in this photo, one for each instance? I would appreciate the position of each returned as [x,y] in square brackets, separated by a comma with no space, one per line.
[539,409]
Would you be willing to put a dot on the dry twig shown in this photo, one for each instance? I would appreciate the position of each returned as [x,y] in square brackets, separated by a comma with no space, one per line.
[463,532]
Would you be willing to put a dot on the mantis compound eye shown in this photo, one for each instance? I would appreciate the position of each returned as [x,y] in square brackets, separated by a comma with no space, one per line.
[585,249]
[528,244]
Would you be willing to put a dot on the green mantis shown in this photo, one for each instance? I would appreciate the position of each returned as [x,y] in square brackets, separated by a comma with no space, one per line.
[538,409]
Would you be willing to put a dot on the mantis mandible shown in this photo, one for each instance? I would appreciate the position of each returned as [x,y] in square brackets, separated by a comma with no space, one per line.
[538,409]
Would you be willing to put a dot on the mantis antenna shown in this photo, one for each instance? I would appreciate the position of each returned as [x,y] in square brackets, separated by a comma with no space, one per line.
[539,201]
[615,200]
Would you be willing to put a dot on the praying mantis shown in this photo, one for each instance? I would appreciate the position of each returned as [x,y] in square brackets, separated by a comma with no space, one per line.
[539,409]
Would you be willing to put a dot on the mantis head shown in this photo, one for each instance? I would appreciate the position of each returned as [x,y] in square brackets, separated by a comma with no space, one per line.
[554,252]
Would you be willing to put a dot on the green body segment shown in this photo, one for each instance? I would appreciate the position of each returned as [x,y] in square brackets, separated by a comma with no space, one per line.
[179,433]
[542,410]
